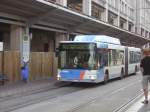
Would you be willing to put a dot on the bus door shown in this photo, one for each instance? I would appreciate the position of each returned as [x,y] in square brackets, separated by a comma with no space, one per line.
[116,60]
[102,58]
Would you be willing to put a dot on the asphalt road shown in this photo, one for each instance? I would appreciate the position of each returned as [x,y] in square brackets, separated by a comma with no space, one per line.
[111,97]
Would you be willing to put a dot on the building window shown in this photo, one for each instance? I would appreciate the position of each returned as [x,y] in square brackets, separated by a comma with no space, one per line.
[97,11]
[125,8]
[122,22]
[75,5]
[130,27]
[142,32]
[122,6]
[131,12]
[110,21]
[136,30]
[111,18]
[146,33]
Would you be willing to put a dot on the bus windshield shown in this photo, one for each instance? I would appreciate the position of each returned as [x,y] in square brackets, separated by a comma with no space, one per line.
[77,56]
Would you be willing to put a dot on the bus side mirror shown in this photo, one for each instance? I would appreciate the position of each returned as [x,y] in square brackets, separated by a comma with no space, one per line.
[57,52]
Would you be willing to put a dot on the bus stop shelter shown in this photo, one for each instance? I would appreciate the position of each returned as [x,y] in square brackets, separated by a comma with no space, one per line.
[49,16]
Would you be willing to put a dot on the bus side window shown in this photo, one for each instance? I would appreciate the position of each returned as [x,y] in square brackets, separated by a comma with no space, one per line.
[105,59]
[110,58]
[99,60]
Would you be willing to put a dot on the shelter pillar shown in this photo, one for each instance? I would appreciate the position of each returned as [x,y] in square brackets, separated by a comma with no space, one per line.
[16,33]
[20,41]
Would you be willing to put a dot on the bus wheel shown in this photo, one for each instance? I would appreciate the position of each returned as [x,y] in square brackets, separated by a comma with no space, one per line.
[122,74]
[106,77]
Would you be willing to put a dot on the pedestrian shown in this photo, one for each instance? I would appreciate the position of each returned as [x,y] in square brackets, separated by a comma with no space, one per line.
[25,72]
[145,68]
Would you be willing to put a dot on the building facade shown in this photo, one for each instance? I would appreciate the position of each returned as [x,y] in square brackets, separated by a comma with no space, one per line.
[142,21]
[126,14]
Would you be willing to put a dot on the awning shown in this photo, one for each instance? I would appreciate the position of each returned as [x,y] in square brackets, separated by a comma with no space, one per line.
[46,15]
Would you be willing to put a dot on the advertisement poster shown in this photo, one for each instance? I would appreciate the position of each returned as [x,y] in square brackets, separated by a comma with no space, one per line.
[26,48]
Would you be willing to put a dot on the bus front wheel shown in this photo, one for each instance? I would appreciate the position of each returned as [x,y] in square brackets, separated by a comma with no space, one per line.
[106,77]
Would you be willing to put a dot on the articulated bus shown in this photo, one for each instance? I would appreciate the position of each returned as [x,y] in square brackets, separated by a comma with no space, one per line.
[96,58]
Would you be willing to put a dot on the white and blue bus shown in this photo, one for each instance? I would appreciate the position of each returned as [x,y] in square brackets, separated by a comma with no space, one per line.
[95,58]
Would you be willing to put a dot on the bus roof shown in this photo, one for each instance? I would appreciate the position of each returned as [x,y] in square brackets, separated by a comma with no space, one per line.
[97,38]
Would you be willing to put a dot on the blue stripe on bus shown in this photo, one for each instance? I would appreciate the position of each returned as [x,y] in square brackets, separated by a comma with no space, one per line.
[70,74]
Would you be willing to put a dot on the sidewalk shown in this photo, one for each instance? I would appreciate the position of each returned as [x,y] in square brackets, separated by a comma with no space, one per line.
[21,88]
[139,107]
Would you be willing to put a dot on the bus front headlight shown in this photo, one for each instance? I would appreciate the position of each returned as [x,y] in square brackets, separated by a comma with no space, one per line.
[58,77]
[93,77]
